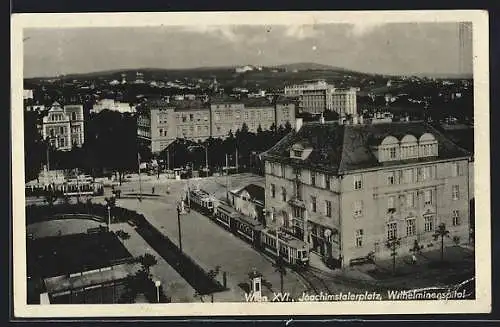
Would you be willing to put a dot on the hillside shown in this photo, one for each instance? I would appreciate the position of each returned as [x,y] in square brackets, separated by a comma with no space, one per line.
[302,66]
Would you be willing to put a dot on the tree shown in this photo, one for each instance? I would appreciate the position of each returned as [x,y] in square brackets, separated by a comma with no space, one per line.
[280,268]
[441,232]
[33,146]
[50,197]
[89,205]
[147,260]
[393,244]
[212,274]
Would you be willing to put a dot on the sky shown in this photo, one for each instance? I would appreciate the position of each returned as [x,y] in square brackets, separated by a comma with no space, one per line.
[394,48]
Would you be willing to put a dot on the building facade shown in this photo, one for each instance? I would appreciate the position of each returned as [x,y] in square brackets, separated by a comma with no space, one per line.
[249,200]
[163,122]
[347,189]
[64,126]
[317,96]
[111,104]
[230,114]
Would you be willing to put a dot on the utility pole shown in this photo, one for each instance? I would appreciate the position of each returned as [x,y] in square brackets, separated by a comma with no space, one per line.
[179,227]
[227,178]
[236,160]
[206,159]
[168,160]
[139,170]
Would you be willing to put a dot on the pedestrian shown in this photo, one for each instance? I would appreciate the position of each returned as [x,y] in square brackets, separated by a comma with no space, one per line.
[413,259]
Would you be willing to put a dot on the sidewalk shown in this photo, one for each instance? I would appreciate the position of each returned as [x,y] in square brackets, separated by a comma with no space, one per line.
[173,284]
[427,271]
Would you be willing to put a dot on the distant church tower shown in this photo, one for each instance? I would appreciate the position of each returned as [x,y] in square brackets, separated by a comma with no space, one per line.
[215,85]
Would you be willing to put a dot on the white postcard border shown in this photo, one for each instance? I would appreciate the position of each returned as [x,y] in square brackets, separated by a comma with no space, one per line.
[482,304]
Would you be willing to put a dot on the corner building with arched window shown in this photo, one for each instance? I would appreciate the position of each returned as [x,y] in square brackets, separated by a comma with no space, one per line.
[347,189]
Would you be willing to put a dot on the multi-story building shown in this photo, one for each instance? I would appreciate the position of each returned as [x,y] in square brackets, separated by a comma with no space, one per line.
[63,126]
[229,114]
[343,101]
[316,96]
[347,189]
[163,122]
[111,104]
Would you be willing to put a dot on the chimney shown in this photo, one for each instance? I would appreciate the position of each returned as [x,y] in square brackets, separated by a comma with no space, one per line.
[322,119]
[298,124]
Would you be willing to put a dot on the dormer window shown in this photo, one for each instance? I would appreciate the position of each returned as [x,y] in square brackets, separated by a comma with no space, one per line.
[428,145]
[408,148]
[392,153]
[300,150]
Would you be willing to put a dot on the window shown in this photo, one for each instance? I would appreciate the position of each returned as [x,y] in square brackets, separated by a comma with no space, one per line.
[428,223]
[327,182]
[358,182]
[283,194]
[455,193]
[455,171]
[391,203]
[313,178]
[427,173]
[420,173]
[359,238]
[428,197]
[410,200]
[391,178]
[456,217]
[408,176]
[297,153]
[298,213]
[313,203]
[392,153]
[73,116]
[273,190]
[392,230]
[411,228]
[358,208]
[328,208]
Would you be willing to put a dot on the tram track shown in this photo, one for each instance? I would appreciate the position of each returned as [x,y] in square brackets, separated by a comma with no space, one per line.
[313,281]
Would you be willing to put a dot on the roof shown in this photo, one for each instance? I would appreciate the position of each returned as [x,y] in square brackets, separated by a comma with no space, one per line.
[63,283]
[58,255]
[188,105]
[256,192]
[339,149]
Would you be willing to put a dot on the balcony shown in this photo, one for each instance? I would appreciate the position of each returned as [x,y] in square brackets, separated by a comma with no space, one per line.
[297,202]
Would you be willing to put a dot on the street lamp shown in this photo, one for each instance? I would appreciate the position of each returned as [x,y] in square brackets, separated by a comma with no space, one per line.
[180,211]
[109,218]
[158,284]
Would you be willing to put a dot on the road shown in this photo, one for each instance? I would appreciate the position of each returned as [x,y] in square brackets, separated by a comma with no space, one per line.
[212,246]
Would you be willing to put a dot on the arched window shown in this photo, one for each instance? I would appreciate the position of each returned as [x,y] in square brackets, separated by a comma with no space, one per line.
[389,149]
[409,147]
[428,145]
